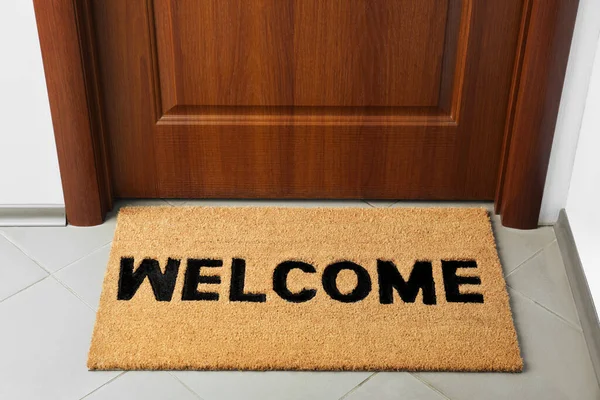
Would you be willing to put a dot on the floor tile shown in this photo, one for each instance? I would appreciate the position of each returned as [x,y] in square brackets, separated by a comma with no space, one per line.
[381,203]
[276,385]
[111,217]
[394,385]
[557,363]
[488,205]
[85,276]
[516,246]
[56,247]
[276,203]
[147,385]
[45,330]
[17,271]
[176,202]
[44,340]
[543,279]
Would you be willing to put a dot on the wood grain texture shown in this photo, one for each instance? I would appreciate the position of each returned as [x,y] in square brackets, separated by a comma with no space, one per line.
[300,53]
[96,112]
[368,53]
[78,139]
[118,105]
[512,102]
[306,99]
[131,111]
[527,152]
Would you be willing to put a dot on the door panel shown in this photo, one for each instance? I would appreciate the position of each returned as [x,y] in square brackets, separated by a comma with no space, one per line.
[300,53]
[306,98]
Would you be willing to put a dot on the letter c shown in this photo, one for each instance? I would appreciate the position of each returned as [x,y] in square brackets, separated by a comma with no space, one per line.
[280,281]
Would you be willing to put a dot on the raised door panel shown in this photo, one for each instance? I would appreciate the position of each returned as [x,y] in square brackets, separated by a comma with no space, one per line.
[306,98]
[300,53]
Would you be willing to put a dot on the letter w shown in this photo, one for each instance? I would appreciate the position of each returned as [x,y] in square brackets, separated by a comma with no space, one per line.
[162,284]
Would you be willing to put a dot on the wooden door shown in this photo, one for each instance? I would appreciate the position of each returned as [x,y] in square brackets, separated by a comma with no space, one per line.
[398,99]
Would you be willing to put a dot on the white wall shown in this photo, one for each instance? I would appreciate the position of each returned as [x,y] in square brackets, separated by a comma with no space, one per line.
[581,58]
[583,203]
[28,162]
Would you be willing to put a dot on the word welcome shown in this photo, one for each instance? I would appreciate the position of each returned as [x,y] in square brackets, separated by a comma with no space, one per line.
[389,280]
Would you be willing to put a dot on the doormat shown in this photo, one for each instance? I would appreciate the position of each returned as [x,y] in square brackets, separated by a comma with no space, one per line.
[304,289]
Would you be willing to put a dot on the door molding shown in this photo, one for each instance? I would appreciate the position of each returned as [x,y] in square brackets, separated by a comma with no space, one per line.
[72,82]
[68,53]
[546,33]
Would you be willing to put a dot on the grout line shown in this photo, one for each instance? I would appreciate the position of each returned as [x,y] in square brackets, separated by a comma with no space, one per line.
[51,274]
[572,325]
[104,384]
[579,288]
[369,204]
[3,234]
[22,250]
[25,288]
[357,386]
[518,267]
[176,205]
[430,386]
[82,257]
[388,206]
[73,293]
[184,385]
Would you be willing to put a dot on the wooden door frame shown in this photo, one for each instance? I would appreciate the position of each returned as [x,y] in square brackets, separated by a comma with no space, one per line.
[70,65]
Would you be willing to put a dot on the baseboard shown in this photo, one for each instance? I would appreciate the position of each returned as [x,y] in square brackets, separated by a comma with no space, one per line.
[579,286]
[32,215]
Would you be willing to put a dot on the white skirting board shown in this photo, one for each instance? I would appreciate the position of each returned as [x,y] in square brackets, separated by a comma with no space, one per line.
[32,215]
[580,289]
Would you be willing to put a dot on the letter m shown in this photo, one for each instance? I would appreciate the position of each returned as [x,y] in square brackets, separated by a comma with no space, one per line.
[162,284]
[421,278]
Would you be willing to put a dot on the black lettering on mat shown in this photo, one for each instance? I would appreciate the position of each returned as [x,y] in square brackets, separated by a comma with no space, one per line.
[162,283]
[452,282]
[193,278]
[421,278]
[238,277]
[280,281]
[363,285]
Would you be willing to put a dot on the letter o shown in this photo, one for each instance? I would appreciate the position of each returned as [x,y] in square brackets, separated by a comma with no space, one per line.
[363,286]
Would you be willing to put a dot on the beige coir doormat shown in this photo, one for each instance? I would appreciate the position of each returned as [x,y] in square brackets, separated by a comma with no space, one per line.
[304,289]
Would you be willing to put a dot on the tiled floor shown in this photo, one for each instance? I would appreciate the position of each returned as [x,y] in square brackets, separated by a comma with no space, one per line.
[50,281]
